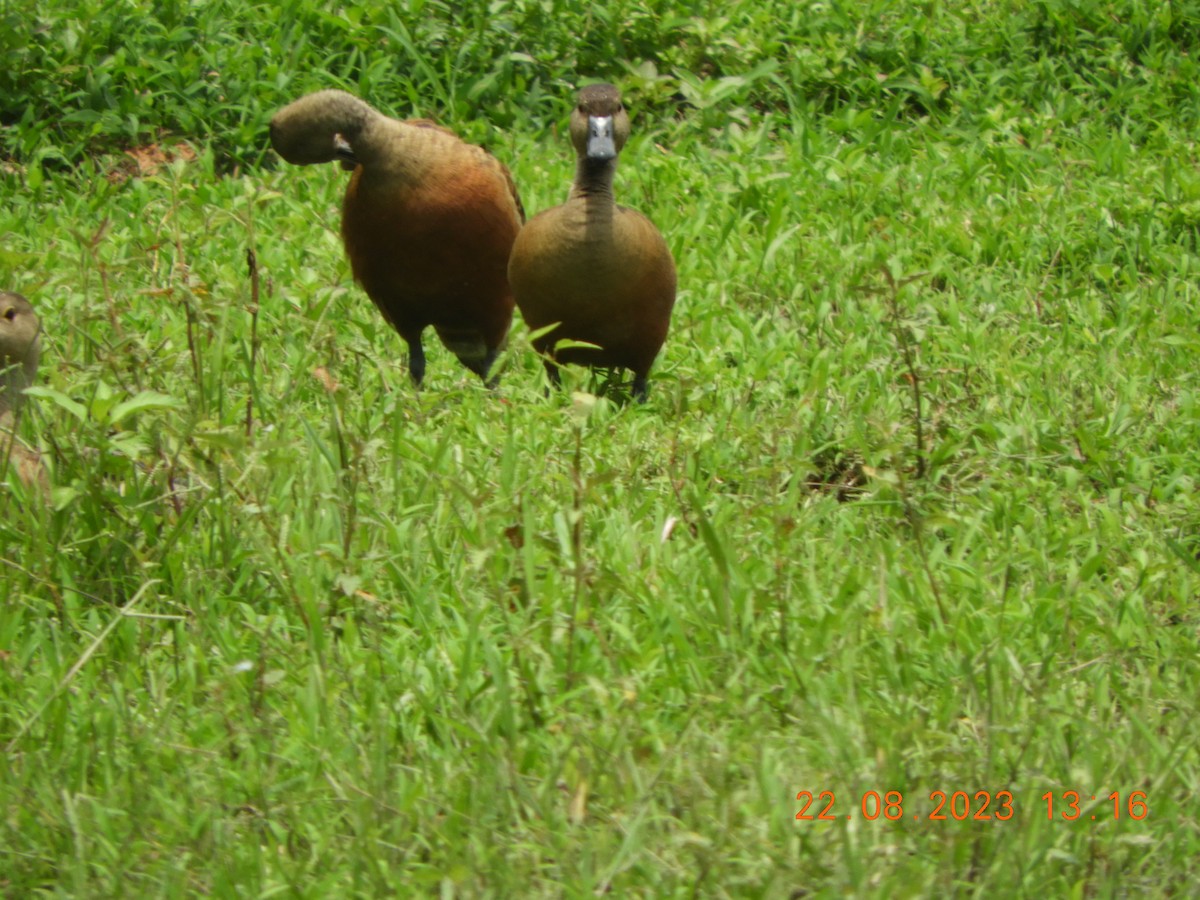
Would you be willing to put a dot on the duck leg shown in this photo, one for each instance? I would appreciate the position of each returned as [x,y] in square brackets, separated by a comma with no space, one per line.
[481,365]
[641,386]
[472,350]
[416,360]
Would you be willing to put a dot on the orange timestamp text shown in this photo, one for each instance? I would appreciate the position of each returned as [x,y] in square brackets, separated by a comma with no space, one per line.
[978,806]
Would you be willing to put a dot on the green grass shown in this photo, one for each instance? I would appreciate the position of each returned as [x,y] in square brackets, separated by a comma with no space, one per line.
[453,642]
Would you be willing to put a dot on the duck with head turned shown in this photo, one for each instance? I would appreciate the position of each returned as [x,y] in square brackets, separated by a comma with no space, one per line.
[20,350]
[600,270]
[428,221]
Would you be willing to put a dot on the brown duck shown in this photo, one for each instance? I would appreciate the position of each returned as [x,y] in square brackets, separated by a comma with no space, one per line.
[20,350]
[428,221]
[600,270]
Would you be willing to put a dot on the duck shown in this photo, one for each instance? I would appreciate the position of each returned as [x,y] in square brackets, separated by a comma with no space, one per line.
[20,351]
[428,222]
[600,272]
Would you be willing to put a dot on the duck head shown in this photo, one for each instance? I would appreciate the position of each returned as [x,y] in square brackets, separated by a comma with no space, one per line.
[599,123]
[321,127]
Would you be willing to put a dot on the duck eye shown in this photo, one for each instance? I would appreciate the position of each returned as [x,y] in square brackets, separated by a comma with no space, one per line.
[10,313]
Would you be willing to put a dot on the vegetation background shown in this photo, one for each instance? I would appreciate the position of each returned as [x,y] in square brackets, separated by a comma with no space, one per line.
[912,506]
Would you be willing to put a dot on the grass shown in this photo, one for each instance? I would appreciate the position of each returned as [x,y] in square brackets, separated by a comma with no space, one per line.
[911,508]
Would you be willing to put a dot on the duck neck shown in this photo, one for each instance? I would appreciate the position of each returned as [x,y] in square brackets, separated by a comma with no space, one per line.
[13,380]
[594,185]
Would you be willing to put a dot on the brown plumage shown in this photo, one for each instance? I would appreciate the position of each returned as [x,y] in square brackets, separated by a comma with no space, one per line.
[601,270]
[428,221]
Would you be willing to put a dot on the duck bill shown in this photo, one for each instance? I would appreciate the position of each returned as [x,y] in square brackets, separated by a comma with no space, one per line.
[600,144]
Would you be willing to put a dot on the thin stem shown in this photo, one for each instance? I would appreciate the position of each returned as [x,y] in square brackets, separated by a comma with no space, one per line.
[252,263]
[910,363]
[576,550]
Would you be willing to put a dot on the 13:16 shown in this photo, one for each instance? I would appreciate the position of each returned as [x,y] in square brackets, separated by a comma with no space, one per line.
[1135,804]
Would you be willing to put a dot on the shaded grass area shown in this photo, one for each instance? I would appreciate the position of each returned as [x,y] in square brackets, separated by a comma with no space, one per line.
[511,644]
